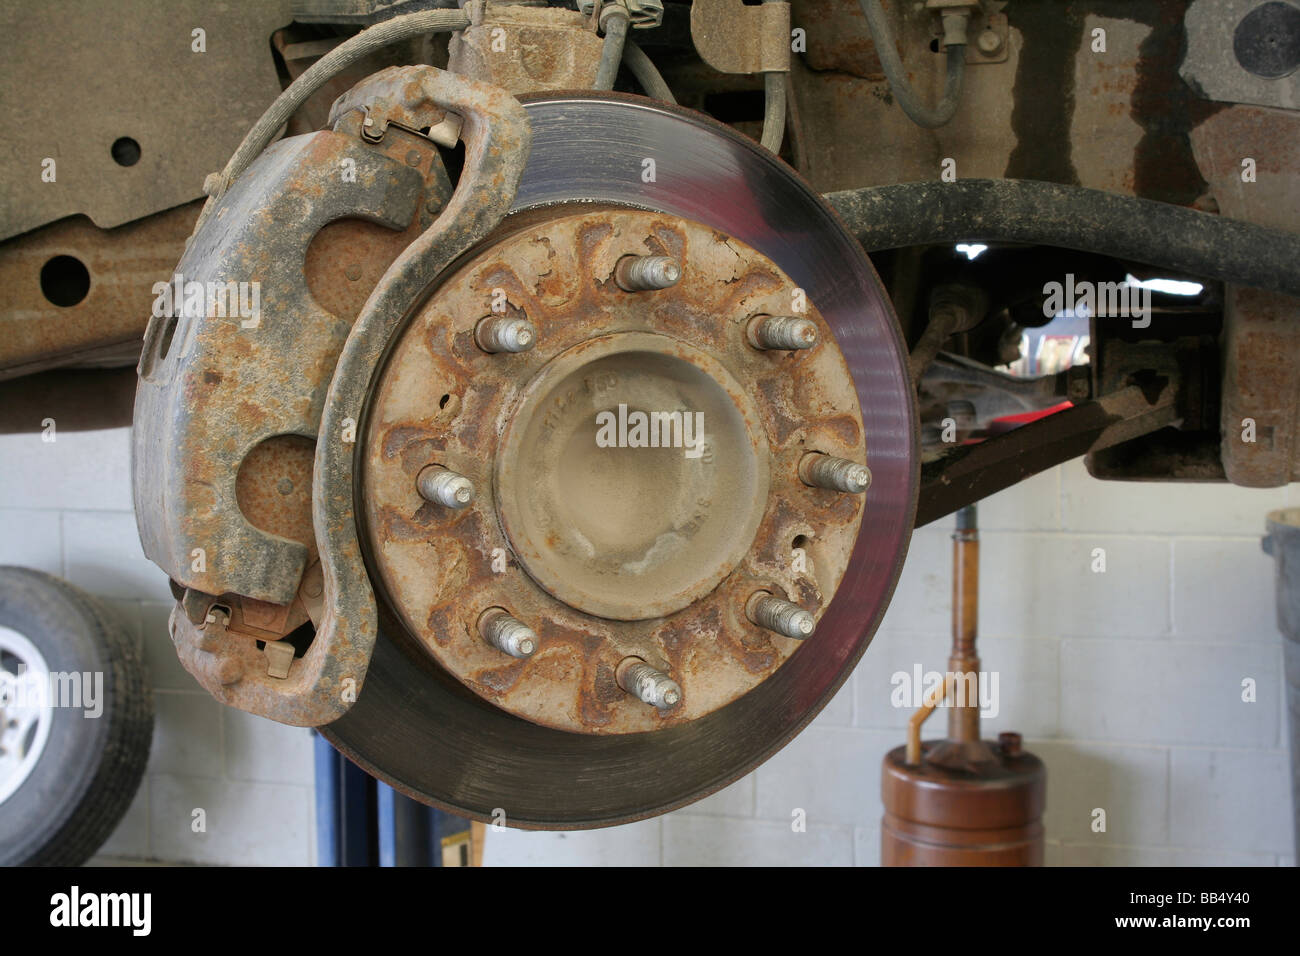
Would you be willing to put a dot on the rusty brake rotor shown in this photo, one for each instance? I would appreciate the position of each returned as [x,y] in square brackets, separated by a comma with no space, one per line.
[532,581]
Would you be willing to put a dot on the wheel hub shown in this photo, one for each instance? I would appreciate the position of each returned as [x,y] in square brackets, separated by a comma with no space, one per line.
[638,465]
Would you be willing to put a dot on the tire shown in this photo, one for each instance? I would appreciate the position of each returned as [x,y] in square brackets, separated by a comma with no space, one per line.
[78,785]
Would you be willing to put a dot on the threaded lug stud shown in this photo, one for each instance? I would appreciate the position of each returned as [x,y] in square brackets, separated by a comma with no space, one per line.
[837,474]
[779,615]
[646,273]
[507,633]
[783,332]
[445,487]
[505,335]
[647,684]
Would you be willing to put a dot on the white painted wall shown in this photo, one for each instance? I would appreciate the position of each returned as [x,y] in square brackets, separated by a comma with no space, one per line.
[1127,683]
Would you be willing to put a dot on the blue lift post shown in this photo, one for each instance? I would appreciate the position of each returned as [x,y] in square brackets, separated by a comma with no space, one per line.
[362,822]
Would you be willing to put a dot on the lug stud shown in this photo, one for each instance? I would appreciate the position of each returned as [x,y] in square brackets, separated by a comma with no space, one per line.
[776,614]
[506,633]
[786,332]
[647,684]
[646,273]
[444,487]
[837,474]
[505,335]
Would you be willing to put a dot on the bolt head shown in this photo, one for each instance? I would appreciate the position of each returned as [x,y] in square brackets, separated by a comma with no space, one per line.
[989,42]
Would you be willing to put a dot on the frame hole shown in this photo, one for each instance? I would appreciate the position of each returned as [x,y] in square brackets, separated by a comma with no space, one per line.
[126,151]
[65,281]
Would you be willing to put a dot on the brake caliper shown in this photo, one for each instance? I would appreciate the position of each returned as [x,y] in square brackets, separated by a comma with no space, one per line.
[236,372]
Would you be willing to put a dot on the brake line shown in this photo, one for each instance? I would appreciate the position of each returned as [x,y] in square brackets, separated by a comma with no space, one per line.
[316,76]
[645,72]
[907,98]
[775,86]
[614,20]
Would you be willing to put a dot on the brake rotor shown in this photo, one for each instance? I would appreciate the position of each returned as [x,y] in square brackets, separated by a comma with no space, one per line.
[614,558]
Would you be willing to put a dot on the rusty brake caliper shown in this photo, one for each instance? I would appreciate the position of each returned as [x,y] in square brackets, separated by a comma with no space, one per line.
[245,429]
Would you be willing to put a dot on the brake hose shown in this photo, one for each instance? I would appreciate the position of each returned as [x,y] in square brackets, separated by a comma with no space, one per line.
[911,104]
[643,68]
[321,72]
[775,86]
[614,20]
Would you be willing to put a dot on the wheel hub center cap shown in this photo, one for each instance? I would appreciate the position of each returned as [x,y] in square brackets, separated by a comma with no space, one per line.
[633,476]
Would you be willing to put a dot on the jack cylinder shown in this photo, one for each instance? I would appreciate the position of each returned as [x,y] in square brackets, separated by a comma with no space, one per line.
[962,801]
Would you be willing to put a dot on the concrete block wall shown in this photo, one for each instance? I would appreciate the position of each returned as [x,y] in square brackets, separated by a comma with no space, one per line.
[65,508]
[1127,682]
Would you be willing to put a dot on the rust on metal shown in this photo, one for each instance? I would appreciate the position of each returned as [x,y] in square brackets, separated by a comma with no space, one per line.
[300,46]
[230,402]
[569,562]
[734,37]
[393,95]
[497,137]
[214,385]
[121,265]
[1260,410]
[525,49]
[273,488]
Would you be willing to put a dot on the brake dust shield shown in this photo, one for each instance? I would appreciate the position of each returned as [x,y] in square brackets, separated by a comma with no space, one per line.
[552,741]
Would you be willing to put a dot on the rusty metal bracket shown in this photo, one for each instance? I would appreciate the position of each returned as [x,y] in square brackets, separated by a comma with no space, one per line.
[544,48]
[732,37]
[497,137]
[215,383]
